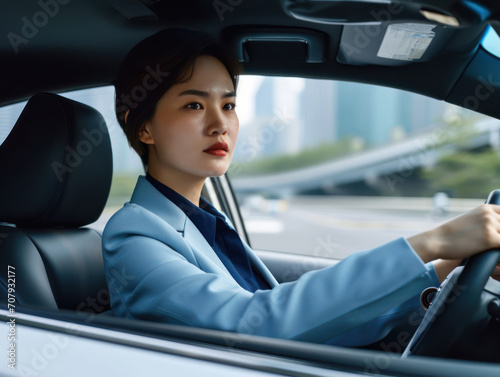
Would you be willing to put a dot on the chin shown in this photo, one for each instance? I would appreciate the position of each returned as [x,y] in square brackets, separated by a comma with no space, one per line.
[216,174]
[216,171]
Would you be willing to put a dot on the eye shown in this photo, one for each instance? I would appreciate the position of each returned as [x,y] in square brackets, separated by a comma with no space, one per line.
[194,106]
[229,106]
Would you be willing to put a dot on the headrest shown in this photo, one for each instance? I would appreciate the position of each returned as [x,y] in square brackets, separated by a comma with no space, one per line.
[55,165]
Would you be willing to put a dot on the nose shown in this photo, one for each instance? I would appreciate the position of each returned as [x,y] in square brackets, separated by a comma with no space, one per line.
[217,124]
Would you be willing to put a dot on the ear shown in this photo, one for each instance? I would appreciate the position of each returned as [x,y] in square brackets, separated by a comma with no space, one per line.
[145,134]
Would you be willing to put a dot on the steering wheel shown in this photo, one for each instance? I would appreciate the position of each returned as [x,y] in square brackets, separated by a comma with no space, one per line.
[463,320]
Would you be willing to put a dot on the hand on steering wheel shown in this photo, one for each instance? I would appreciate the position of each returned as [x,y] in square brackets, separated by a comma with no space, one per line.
[462,321]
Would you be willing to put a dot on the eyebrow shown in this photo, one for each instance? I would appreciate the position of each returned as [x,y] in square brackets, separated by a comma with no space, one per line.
[201,93]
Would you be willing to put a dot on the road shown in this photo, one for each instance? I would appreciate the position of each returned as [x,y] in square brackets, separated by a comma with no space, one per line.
[339,226]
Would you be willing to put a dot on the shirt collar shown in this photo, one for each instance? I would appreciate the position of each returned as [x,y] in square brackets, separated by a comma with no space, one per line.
[203,217]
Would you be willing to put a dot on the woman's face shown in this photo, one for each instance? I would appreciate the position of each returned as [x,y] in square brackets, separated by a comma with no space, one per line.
[194,129]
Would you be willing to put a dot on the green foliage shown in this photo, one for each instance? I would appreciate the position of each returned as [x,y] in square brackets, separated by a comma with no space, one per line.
[465,174]
[460,127]
[284,162]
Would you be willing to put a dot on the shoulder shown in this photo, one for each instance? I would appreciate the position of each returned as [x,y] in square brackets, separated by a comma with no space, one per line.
[135,220]
[129,214]
[148,212]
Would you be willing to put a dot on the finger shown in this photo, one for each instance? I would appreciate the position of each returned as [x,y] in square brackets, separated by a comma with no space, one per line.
[496,212]
[496,216]
[493,221]
[494,207]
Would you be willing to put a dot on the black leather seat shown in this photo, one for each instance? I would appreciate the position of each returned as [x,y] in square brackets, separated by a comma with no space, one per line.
[55,174]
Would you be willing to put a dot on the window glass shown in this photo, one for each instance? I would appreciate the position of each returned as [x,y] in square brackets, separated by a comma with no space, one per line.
[333,165]
[345,166]
[491,41]
[8,117]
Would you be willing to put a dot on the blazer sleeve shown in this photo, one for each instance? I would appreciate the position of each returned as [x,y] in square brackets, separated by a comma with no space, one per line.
[159,281]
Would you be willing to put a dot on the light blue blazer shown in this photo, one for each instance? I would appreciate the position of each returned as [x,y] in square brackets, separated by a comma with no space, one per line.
[159,267]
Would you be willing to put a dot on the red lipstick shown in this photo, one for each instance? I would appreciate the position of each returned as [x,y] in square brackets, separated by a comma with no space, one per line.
[218,149]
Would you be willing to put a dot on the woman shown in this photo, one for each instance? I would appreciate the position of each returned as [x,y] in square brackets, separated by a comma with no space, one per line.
[175,99]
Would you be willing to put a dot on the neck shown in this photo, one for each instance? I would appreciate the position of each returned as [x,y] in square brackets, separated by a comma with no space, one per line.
[188,186]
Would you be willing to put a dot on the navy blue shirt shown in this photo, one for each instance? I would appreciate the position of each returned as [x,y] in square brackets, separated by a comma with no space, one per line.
[220,236]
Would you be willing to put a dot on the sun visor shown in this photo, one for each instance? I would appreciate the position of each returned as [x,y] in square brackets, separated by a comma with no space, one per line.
[392,44]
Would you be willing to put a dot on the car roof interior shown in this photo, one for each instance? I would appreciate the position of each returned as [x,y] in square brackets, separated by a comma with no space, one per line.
[60,45]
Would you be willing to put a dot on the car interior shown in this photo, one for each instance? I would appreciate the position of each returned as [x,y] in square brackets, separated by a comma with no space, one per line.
[61,260]
[56,164]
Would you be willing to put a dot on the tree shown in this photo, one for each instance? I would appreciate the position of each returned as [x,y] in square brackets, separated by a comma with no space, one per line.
[466,174]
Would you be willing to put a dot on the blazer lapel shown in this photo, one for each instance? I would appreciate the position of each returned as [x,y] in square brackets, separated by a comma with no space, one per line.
[260,266]
[205,256]
[255,261]
[202,253]
[154,201]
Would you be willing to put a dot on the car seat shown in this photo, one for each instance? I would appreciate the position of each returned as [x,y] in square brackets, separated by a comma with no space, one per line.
[55,176]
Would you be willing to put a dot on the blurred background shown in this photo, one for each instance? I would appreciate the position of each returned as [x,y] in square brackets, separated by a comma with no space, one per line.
[324,167]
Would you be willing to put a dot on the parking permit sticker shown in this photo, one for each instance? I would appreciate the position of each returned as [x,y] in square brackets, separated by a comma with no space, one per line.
[406,41]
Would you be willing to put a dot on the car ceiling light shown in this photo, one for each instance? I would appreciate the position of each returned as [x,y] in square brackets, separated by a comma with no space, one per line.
[440,17]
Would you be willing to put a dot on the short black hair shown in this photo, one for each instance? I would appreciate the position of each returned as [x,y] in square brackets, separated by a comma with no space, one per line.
[152,67]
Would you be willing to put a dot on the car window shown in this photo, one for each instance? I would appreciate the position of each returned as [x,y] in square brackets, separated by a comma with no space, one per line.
[8,117]
[328,168]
